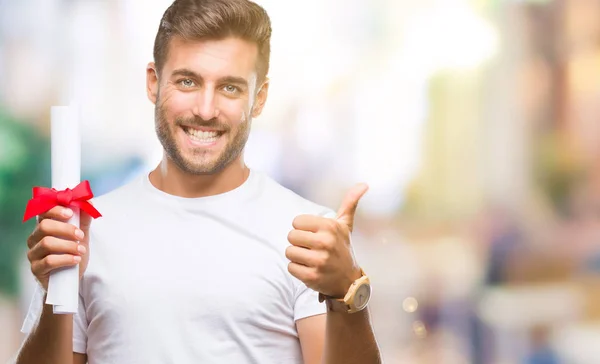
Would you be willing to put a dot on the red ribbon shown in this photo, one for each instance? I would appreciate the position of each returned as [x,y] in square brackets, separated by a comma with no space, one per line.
[46,198]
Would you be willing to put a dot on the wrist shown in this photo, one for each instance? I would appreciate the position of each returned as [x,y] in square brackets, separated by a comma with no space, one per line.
[355,274]
[355,299]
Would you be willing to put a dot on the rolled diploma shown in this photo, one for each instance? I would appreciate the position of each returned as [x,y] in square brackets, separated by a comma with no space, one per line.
[63,286]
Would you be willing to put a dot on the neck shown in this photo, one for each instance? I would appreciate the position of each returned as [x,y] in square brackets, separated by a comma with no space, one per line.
[170,179]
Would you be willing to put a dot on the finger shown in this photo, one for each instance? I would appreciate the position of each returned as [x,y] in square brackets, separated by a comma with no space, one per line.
[307,223]
[51,262]
[58,229]
[348,207]
[305,274]
[85,221]
[301,256]
[303,238]
[59,213]
[50,245]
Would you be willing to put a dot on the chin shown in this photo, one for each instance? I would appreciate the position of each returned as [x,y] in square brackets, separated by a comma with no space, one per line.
[205,168]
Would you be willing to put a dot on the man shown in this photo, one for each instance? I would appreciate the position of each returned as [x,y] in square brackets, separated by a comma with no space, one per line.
[205,260]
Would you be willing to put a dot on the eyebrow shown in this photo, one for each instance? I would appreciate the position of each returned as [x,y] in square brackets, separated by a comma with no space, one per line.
[227,79]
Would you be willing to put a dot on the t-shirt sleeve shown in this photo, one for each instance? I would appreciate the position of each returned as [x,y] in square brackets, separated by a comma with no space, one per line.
[80,326]
[35,310]
[79,320]
[306,302]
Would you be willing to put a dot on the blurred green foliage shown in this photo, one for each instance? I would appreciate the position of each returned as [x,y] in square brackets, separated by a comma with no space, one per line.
[24,163]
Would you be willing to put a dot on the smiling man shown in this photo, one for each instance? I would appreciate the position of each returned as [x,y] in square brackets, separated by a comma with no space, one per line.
[204,260]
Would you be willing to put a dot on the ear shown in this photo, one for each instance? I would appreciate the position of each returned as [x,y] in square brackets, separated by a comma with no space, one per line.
[261,99]
[152,82]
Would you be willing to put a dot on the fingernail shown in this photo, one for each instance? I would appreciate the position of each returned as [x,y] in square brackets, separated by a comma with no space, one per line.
[79,234]
[67,212]
[77,258]
[81,249]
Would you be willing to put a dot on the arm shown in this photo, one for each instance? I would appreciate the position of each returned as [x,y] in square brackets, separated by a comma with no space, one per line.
[52,340]
[338,338]
[53,245]
[321,257]
[311,332]
[349,339]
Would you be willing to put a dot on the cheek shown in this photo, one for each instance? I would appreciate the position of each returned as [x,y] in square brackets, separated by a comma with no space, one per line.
[175,105]
[180,103]
[234,111]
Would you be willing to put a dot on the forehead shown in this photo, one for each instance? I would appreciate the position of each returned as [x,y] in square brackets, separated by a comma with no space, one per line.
[225,57]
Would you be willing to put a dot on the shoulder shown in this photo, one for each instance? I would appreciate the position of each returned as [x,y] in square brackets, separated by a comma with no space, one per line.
[281,205]
[120,197]
[119,206]
[282,200]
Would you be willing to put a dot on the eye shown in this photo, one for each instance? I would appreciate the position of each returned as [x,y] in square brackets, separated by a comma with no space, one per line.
[187,83]
[231,89]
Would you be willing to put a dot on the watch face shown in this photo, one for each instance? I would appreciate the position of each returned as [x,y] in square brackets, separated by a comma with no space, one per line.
[361,298]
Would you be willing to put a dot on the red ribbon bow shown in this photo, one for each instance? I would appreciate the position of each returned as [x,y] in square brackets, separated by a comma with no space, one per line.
[46,198]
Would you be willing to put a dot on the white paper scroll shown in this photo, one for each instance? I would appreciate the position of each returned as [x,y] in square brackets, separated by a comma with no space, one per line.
[63,287]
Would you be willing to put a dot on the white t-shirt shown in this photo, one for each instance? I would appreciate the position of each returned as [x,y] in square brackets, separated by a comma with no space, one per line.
[192,280]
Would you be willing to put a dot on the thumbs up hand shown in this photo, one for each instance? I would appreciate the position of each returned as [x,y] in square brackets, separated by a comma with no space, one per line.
[321,254]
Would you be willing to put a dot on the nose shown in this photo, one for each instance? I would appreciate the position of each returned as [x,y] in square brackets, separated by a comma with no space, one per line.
[205,106]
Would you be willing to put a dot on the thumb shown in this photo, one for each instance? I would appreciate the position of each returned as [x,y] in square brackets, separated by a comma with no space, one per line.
[85,221]
[347,210]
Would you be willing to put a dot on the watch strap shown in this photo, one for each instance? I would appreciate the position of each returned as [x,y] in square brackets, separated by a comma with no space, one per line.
[334,304]
[338,304]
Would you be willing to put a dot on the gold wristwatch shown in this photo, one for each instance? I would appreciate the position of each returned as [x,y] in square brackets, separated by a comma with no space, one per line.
[355,300]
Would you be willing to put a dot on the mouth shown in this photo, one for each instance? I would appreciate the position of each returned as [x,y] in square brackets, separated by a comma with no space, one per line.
[202,136]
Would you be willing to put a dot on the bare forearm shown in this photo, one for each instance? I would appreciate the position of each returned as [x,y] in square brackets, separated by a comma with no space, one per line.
[51,342]
[350,339]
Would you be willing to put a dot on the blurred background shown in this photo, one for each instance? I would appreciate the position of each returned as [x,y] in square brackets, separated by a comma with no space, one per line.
[476,124]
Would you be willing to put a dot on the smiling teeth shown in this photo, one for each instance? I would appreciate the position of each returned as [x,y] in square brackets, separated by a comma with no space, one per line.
[203,136]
